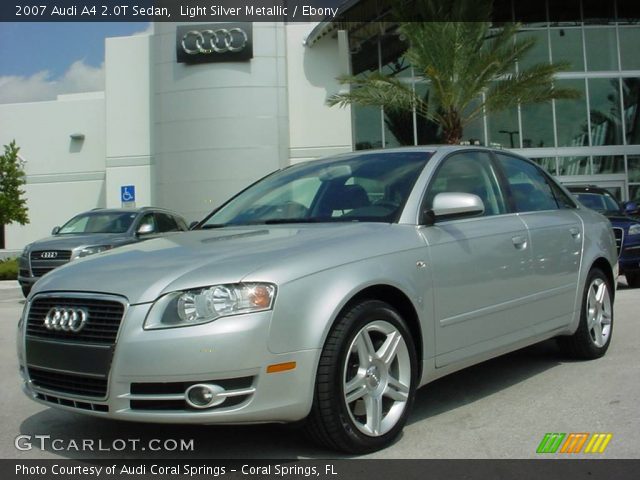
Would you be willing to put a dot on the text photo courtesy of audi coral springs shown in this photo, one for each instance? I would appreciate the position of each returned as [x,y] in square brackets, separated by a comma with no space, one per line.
[411,248]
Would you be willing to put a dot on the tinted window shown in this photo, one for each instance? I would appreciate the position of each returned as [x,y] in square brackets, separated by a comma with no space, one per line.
[149,219]
[98,222]
[166,223]
[469,172]
[370,187]
[529,187]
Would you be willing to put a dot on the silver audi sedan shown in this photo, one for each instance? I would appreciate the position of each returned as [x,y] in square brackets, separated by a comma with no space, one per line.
[327,292]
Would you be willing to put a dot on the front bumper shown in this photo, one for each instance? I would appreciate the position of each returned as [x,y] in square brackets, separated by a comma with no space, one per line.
[150,370]
[629,259]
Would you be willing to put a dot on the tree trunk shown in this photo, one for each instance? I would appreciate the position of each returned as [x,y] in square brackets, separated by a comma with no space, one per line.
[452,129]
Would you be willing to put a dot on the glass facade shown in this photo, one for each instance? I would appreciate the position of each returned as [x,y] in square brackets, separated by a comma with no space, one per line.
[598,134]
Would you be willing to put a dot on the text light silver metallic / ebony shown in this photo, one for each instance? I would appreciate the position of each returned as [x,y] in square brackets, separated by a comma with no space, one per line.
[66,319]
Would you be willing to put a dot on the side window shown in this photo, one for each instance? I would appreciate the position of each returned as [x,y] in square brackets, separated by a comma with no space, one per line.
[529,187]
[469,172]
[166,223]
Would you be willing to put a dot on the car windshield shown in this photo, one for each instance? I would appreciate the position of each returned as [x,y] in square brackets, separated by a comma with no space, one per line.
[94,222]
[371,187]
[601,202]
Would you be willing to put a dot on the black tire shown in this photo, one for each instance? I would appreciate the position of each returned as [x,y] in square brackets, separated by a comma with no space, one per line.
[633,279]
[340,425]
[585,343]
[26,289]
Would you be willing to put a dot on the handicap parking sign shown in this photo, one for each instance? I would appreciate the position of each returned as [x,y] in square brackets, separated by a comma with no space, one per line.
[128,195]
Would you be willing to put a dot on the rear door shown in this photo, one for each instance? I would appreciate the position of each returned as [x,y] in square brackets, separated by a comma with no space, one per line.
[556,240]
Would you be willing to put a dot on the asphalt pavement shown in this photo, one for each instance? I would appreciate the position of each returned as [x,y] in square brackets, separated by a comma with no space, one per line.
[499,409]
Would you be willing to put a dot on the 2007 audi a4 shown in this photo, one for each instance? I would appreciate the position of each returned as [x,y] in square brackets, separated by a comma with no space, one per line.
[326,292]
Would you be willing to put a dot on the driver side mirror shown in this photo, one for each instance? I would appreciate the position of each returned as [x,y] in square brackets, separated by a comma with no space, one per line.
[451,205]
[630,207]
[55,230]
[145,229]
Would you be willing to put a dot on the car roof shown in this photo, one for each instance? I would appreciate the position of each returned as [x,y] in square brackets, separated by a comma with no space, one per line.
[131,210]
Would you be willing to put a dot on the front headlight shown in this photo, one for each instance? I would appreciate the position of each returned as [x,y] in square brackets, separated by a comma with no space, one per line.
[85,252]
[634,229]
[202,305]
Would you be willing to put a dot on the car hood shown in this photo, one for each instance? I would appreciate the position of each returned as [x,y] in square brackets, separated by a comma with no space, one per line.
[142,272]
[69,242]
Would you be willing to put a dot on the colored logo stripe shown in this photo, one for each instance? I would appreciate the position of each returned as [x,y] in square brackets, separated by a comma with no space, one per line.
[598,443]
[550,442]
[574,442]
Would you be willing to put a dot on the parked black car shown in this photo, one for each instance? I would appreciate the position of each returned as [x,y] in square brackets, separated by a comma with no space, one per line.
[93,232]
[625,227]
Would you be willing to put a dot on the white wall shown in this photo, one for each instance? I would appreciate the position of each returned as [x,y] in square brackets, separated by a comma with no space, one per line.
[316,130]
[128,118]
[216,127]
[64,176]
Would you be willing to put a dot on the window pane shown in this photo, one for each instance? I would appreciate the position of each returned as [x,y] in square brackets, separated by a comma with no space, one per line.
[608,164]
[428,131]
[633,163]
[598,11]
[564,13]
[368,131]
[398,129]
[537,126]
[547,163]
[474,132]
[634,193]
[602,50]
[529,187]
[469,172]
[631,96]
[571,116]
[606,122]
[539,53]
[629,41]
[566,46]
[573,166]
[503,128]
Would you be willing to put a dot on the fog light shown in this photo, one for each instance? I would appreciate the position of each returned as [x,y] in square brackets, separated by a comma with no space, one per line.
[204,395]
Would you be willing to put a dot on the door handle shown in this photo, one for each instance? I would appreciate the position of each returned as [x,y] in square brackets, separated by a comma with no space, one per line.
[575,232]
[519,242]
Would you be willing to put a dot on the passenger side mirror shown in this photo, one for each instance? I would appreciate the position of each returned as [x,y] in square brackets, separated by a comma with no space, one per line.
[55,230]
[450,205]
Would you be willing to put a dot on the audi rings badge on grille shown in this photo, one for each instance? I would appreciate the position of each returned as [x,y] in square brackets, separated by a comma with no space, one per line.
[66,319]
[48,254]
[214,41]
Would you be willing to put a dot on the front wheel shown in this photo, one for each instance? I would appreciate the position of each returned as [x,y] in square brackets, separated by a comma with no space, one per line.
[593,336]
[366,380]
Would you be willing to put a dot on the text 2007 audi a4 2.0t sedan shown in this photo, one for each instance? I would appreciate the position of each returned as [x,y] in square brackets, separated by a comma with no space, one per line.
[327,291]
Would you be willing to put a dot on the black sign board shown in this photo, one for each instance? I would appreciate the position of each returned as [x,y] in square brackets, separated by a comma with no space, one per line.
[214,42]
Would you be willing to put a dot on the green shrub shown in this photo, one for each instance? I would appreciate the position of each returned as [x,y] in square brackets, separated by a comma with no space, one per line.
[9,269]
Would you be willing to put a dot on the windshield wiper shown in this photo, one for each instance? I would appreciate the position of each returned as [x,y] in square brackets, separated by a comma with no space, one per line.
[212,225]
[276,221]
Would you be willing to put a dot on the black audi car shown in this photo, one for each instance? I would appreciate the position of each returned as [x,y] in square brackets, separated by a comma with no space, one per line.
[625,227]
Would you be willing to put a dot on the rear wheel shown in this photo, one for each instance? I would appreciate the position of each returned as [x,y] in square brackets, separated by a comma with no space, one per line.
[633,279]
[366,380]
[593,336]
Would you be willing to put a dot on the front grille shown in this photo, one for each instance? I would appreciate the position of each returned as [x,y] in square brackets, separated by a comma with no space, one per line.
[67,383]
[43,261]
[94,407]
[619,234]
[104,317]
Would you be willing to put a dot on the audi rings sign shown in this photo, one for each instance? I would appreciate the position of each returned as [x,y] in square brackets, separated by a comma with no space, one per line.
[216,42]
[66,319]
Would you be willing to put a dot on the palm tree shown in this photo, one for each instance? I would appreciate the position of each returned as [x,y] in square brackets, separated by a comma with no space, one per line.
[469,67]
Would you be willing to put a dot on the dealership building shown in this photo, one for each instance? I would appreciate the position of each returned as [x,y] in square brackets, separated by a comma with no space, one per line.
[194,112]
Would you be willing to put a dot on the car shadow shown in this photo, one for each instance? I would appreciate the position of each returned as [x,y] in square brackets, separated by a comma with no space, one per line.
[485,379]
[272,441]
